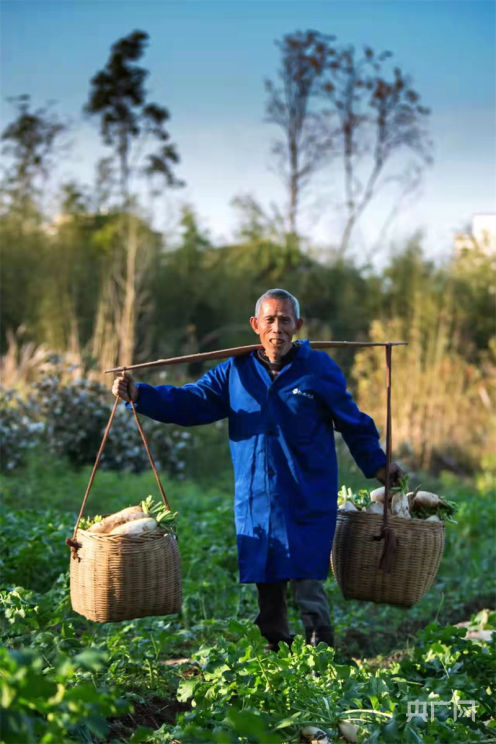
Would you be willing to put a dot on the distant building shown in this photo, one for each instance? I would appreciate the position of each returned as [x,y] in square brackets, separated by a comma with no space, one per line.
[482,235]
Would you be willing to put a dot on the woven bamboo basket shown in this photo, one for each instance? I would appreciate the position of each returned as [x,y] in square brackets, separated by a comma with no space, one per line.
[120,577]
[114,577]
[356,555]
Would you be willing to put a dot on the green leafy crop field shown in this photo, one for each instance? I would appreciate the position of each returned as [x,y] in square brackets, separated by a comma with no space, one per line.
[203,676]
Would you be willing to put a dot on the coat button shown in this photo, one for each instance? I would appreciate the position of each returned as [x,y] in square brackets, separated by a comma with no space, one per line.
[271,432]
[270,472]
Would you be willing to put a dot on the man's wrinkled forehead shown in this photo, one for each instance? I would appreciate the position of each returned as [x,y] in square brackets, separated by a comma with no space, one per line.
[274,307]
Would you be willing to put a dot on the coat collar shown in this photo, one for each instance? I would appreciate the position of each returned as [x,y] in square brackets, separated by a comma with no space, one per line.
[303,352]
[304,349]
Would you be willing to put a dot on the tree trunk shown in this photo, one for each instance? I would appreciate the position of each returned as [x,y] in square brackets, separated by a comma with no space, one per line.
[128,320]
[105,341]
[293,188]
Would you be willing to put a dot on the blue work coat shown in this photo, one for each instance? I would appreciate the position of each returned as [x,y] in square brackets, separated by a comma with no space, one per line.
[281,435]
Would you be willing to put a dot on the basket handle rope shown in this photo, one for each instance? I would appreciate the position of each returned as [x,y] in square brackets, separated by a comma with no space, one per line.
[387,533]
[72,541]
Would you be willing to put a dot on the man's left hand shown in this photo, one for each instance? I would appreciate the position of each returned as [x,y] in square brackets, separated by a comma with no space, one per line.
[395,474]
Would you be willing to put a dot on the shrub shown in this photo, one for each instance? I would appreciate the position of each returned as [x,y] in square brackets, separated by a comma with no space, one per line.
[20,430]
[76,413]
[68,417]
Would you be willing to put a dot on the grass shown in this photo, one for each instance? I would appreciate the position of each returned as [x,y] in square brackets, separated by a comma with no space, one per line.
[137,673]
[212,594]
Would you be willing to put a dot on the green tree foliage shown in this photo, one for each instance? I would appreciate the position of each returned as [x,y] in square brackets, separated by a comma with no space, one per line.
[29,144]
[118,98]
[21,288]
[200,296]
[337,303]
[74,270]
[204,294]
[263,241]
[442,404]
[473,271]
[124,300]
[415,291]
[442,400]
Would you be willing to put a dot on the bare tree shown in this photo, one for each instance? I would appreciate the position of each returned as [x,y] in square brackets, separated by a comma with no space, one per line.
[360,115]
[379,117]
[307,139]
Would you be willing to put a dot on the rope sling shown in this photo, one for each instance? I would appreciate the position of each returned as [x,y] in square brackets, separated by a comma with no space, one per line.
[72,542]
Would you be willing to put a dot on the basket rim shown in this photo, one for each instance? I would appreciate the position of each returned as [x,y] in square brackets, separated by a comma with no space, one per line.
[154,534]
[392,520]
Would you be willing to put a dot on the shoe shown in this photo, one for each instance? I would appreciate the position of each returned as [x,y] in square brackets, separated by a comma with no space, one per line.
[271,647]
[273,644]
[320,634]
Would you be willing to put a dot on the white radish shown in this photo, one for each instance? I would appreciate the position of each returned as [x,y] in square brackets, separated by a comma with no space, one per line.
[399,506]
[135,527]
[348,506]
[433,518]
[427,499]
[410,496]
[98,527]
[377,495]
[349,731]
[113,520]
[375,508]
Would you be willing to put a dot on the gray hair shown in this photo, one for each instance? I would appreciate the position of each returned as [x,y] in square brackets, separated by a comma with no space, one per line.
[278,294]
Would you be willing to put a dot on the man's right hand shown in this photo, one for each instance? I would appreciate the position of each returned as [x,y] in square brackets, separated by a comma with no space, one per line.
[125,388]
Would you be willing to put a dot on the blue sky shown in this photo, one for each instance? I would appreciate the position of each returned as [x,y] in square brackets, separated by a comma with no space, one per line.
[208,61]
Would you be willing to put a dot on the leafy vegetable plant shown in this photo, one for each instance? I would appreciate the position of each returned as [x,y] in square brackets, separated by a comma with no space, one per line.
[158,510]
[415,504]
[230,690]
[149,507]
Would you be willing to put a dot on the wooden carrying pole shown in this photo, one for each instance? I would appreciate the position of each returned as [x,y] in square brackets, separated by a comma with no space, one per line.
[240,350]
[387,533]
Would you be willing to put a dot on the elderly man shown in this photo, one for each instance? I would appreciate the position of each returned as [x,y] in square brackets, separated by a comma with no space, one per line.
[283,403]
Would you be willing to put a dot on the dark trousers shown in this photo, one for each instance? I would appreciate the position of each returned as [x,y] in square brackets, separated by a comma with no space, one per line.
[311,599]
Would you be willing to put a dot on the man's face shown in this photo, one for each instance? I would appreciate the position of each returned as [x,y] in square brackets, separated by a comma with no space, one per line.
[276,325]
